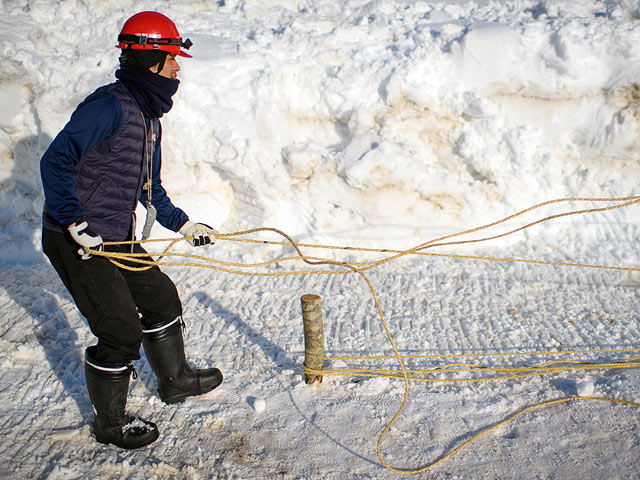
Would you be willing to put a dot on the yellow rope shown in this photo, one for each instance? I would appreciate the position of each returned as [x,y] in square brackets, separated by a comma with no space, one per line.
[492,354]
[519,372]
[359,268]
[505,421]
[430,254]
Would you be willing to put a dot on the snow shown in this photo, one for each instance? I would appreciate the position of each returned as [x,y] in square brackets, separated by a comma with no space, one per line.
[378,124]
[585,388]
[258,404]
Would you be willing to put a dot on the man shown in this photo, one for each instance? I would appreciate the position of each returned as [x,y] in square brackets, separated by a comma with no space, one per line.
[105,160]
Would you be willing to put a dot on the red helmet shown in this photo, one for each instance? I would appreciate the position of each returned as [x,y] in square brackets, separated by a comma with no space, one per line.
[152,31]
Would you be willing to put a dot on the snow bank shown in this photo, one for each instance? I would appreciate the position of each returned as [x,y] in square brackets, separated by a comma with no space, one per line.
[348,122]
[388,121]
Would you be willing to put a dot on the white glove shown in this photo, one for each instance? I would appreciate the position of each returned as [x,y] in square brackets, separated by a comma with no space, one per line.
[85,237]
[198,234]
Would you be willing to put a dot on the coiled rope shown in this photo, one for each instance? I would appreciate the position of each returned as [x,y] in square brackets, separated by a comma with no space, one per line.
[359,268]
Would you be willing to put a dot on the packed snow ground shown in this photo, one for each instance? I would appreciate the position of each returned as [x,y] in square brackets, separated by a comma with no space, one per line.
[363,123]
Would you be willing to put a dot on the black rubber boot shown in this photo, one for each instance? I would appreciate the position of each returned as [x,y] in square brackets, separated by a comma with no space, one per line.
[108,385]
[164,347]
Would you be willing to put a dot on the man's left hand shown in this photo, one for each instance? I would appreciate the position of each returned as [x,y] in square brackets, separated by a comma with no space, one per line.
[198,234]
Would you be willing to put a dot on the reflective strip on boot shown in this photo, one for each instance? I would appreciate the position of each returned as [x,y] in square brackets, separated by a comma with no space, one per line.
[159,329]
[129,366]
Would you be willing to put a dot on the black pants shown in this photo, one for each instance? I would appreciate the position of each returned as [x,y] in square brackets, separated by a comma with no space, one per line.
[112,298]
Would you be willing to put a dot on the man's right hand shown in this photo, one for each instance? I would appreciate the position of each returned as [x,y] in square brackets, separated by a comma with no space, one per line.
[85,237]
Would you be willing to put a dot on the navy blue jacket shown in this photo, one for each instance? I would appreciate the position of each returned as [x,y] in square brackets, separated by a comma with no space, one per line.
[95,167]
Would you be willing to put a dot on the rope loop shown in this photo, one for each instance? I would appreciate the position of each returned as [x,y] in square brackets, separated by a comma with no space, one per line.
[324,266]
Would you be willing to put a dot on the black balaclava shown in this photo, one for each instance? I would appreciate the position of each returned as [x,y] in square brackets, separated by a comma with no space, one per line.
[151,91]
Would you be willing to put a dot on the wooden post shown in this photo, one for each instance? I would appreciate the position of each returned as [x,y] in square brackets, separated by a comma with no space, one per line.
[313,336]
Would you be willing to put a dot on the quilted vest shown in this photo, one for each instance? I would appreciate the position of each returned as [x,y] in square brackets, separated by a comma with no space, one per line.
[109,177]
